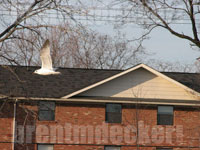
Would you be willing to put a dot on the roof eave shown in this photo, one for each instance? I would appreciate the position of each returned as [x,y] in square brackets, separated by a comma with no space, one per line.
[104,100]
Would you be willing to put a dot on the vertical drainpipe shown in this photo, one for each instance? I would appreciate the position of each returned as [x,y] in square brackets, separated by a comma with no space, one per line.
[14,116]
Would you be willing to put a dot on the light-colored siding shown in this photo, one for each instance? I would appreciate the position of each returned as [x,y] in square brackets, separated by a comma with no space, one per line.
[142,84]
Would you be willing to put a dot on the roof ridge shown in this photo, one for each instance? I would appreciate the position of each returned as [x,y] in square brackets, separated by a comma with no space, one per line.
[64,68]
[180,72]
[97,69]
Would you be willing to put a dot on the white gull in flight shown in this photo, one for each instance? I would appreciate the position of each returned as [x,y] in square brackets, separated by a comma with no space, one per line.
[45,57]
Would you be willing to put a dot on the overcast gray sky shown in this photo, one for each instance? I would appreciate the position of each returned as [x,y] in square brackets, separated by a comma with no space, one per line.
[162,45]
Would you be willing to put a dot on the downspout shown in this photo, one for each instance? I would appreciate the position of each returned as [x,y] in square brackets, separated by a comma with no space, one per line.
[14,116]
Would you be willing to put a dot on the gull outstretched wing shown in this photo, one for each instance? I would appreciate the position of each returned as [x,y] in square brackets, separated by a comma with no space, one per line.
[45,56]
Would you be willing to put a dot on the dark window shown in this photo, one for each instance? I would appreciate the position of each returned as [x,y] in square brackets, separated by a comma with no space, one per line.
[45,147]
[164,149]
[165,115]
[111,148]
[113,113]
[47,111]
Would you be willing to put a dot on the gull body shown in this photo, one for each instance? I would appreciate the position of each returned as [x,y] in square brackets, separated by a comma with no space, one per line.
[45,57]
[43,71]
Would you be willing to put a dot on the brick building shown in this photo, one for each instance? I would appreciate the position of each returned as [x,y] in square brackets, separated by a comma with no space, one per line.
[89,109]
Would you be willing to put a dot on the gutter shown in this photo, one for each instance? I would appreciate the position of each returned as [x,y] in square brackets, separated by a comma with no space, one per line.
[116,100]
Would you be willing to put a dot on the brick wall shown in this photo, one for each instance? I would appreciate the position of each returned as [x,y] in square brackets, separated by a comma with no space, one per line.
[6,125]
[91,117]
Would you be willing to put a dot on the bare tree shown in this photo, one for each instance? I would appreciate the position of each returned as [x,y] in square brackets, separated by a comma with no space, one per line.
[74,47]
[31,16]
[167,66]
[93,50]
[166,13]
[72,44]
[28,14]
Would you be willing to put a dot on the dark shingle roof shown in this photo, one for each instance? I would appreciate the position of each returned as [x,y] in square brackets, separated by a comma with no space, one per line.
[191,80]
[21,81]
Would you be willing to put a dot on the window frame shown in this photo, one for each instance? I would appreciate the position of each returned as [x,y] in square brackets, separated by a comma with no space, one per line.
[172,123]
[111,146]
[106,113]
[52,111]
[160,148]
[44,144]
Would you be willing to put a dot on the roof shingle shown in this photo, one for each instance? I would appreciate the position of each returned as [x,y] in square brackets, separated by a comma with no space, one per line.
[20,81]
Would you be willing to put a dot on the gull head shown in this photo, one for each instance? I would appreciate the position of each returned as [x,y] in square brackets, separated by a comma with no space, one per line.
[40,71]
[36,71]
